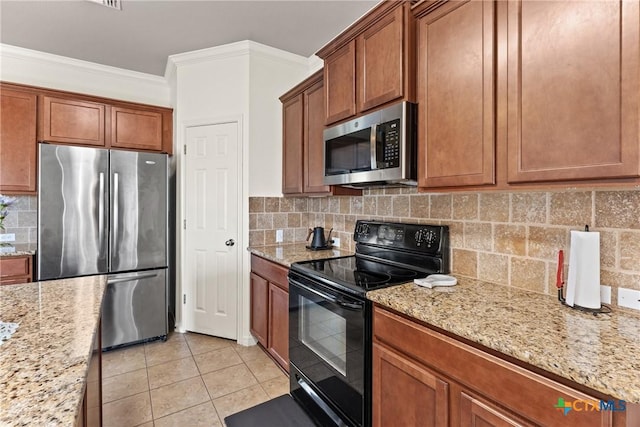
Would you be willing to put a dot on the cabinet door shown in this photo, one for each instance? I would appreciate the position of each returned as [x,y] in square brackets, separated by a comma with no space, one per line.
[473,412]
[405,393]
[73,122]
[136,129]
[15,269]
[17,142]
[313,140]
[340,84]
[279,325]
[259,303]
[380,55]
[292,130]
[456,95]
[572,90]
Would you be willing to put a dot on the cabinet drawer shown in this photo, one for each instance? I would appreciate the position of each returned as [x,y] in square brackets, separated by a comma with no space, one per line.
[271,271]
[15,266]
[488,375]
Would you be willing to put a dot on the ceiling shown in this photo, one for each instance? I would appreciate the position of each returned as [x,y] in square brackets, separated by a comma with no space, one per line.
[144,33]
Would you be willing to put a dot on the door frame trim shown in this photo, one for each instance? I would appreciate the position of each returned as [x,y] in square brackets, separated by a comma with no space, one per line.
[242,332]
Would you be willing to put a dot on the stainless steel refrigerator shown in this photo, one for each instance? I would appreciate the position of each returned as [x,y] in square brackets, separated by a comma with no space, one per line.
[105,212]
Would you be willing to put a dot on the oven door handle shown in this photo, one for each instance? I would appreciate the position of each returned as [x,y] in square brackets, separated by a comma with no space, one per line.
[356,305]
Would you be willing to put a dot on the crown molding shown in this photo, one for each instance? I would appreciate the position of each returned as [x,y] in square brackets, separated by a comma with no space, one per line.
[16,52]
[231,50]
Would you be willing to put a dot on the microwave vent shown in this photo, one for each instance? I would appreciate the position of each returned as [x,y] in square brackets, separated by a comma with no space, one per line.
[112,4]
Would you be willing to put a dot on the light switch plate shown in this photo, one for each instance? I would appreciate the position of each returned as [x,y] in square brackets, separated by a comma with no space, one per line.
[8,237]
[605,294]
[336,242]
[279,236]
[629,298]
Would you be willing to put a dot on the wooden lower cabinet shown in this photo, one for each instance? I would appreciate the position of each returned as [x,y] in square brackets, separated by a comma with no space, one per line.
[394,379]
[269,308]
[422,377]
[259,323]
[278,345]
[15,269]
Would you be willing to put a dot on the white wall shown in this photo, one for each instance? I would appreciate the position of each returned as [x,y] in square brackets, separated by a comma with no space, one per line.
[270,76]
[240,81]
[30,67]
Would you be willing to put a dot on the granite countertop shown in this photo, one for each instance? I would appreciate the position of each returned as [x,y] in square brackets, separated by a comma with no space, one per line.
[601,352]
[288,253]
[17,249]
[43,366]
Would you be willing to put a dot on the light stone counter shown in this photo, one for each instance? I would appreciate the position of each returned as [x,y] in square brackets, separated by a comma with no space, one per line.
[43,366]
[288,253]
[601,352]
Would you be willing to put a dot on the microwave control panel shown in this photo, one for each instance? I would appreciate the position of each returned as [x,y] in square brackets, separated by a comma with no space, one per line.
[389,135]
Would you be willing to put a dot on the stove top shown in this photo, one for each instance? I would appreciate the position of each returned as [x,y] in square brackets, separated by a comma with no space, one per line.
[356,274]
[386,254]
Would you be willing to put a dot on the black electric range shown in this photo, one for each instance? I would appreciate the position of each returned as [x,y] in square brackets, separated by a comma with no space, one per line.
[330,330]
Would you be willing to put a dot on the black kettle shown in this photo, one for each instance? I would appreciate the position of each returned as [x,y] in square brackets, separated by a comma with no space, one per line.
[319,241]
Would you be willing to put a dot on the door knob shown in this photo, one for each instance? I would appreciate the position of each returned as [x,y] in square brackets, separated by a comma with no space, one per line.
[230,242]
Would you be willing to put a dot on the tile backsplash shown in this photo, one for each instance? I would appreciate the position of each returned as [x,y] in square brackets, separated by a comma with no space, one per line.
[22,219]
[511,238]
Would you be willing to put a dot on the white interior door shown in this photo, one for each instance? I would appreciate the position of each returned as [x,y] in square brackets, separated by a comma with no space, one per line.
[212,256]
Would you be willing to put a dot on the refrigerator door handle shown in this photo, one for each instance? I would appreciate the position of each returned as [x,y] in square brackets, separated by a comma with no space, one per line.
[116,208]
[101,226]
[132,278]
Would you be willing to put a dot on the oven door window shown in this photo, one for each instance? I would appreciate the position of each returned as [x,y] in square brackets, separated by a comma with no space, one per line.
[327,344]
[324,332]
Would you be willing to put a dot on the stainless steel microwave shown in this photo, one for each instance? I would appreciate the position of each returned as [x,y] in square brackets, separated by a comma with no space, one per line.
[375,149]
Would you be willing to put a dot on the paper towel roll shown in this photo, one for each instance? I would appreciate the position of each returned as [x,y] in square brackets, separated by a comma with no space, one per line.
[583,282]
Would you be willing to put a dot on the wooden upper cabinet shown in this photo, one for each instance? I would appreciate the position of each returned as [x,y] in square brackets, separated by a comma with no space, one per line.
[456,81]
[18,120]
[136,129]
[340,83]
[380,58]
[313,140]
[371,63]
[70,121]
[572,90]
[292,143]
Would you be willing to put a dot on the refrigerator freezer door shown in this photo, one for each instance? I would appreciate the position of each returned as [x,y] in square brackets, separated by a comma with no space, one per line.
[72,211]
[135,308]
[138,210]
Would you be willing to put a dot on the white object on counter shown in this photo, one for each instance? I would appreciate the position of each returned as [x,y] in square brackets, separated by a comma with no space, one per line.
[6,330]
[583,281]
[436,280]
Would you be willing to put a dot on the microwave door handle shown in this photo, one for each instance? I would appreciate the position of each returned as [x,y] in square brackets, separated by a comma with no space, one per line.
[373,141]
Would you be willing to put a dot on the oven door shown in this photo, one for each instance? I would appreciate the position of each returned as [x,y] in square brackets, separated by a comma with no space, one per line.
[327,350]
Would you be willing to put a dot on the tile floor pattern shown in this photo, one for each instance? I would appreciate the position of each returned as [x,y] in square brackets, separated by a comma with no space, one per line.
[189,380]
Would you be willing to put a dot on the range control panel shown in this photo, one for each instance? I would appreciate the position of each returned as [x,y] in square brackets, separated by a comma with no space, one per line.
[430,239]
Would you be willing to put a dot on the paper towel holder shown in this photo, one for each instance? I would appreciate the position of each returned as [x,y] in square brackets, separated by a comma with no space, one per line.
[560,285]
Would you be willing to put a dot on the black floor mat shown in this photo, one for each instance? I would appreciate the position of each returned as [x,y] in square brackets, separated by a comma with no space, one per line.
[282,411]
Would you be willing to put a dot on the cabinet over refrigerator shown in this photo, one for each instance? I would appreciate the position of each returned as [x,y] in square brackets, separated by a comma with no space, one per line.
[104,211]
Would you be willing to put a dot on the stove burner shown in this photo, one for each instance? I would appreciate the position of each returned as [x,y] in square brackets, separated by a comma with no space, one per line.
[369,278]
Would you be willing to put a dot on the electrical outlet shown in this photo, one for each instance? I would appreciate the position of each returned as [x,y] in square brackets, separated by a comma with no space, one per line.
[629,298]
[605,294]
[279,236]
[336,242]
[8,237]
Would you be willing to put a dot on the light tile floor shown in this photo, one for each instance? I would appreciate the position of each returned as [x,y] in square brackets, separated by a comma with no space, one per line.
[189,380]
